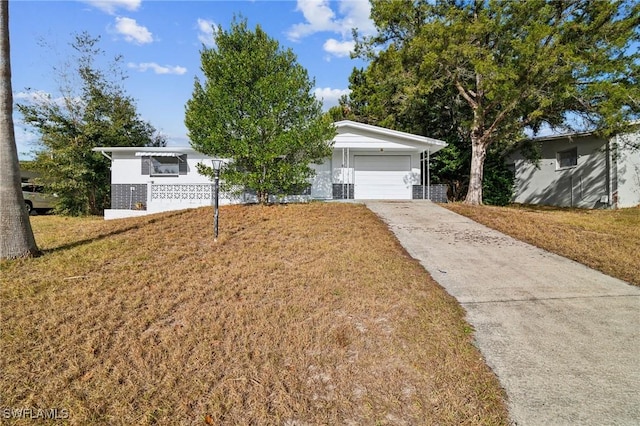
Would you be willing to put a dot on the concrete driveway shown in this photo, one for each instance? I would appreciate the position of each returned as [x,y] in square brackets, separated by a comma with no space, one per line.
[563,339]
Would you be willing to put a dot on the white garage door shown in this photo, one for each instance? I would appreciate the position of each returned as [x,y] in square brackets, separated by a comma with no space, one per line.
[382,177]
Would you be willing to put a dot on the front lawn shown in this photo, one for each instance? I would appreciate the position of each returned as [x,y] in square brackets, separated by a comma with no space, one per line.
[298,315]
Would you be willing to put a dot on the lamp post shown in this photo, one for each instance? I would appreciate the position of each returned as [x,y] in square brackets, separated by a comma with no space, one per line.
[217,164]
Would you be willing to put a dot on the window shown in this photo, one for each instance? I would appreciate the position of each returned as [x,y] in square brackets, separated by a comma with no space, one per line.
[163,163]
[164,166]
[567,159]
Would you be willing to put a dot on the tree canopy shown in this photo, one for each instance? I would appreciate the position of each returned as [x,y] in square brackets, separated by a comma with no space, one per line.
[516,66]
[96,112]
[256,108]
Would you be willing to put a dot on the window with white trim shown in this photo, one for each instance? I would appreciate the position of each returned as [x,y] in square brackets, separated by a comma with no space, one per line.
[567,159]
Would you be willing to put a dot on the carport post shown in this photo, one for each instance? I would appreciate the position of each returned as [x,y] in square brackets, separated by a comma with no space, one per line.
[428,175]
[424,177]
[426,180]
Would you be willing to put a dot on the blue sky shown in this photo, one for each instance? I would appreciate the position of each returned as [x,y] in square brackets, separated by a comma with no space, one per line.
[160,42]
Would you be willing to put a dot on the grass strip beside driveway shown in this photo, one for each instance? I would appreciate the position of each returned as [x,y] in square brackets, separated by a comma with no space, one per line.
[606,240]
[299,314]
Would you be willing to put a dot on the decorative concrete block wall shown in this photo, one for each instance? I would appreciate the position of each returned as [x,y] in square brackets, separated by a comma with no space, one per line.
[343,191]
[438,193]
[123,197]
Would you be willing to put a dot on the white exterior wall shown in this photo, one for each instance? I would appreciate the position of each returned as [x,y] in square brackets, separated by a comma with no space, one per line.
[627,165]
[584,185]
[322,184]
[127,169]
[353,139]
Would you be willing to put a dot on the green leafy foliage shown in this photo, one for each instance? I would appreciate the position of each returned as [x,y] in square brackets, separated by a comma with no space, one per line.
[97,113]
[255,107]
[386,94]
[515,65]
[498,182]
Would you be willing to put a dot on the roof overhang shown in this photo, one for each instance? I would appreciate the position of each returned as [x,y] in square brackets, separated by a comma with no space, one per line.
[139,151]
[561,136]
[157,154]
[350,134]
[353,135]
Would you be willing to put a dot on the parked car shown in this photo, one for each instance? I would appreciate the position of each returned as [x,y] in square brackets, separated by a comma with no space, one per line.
[36,200]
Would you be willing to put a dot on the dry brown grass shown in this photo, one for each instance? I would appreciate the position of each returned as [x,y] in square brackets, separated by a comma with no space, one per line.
[298,315]
[606,240]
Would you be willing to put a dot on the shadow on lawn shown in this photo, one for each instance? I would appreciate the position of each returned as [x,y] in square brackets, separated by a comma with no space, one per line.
[157,219]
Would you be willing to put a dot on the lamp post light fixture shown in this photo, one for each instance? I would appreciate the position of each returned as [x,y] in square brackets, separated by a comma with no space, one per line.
[217,164]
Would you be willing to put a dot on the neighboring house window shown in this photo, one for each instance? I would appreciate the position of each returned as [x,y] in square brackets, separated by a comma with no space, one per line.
[567,159]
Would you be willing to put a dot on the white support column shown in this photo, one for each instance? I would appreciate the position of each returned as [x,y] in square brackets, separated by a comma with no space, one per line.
[428,175]
[349,177]
[342,168]
[423,173]
[149,184]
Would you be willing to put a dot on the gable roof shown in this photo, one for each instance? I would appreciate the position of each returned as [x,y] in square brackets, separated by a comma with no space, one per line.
[350,134]
[633,127]
[358,135]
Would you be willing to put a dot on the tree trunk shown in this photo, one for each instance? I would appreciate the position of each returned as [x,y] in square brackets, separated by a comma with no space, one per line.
[16,236]
[478,154]
[263,197]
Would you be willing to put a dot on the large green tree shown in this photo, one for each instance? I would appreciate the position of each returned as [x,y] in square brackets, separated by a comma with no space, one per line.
[16,236]
[93,110]
[256,108]
[517,65]
[387,94]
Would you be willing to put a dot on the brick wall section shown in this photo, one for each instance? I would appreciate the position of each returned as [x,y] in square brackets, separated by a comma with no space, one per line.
[343,191]
[122,197]
[438,193]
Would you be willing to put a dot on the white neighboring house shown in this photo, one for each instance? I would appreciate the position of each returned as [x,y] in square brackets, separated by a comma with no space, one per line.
[581,170]
[368,162]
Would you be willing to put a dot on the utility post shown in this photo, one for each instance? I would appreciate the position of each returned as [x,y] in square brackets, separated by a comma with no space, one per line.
[217,164]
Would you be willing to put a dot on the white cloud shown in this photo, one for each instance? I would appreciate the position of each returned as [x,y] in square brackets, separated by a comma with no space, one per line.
[329,96]
[339,48]
[133,32]
[110,6]
[357,15]
[39,97]
[158,69]
[35,96]
[205,35]
[320,17]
